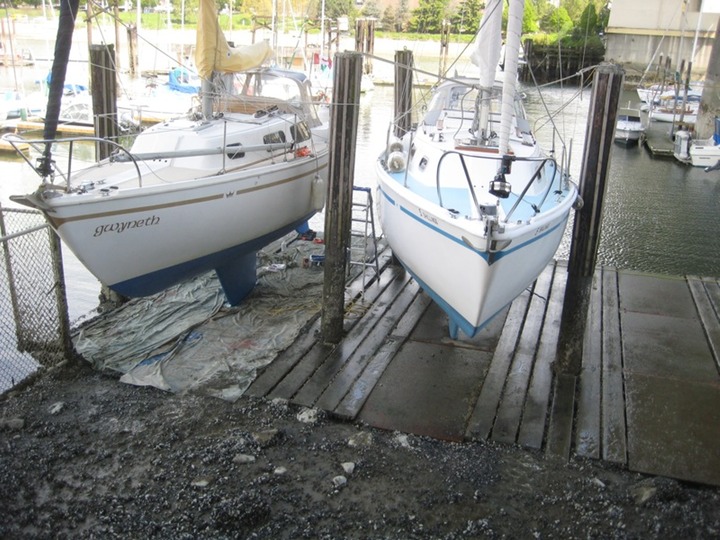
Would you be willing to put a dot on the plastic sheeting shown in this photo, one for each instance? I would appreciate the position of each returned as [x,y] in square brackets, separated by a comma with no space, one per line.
[186,338]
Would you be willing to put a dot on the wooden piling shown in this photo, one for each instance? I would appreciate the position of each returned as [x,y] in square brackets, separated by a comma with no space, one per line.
[132,38]
[403,92]
[607,88]
[365,41]
[343,129]
[104,95]
[444,47]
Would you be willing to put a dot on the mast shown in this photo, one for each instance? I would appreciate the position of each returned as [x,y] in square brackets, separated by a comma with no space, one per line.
[63,42]
[486,56]
[512,52]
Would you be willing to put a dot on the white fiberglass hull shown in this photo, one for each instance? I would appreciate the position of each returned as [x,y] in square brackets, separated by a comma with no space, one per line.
[448,255]
[194,194]
[139,241]
[704,154]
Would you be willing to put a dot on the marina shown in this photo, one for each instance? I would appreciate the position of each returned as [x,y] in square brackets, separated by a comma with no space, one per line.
[648,393]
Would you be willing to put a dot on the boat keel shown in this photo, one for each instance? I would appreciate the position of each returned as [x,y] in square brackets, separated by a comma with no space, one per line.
[238,277]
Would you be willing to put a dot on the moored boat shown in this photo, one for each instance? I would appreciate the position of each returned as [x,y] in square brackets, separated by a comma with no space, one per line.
[197,193]
[698,152]
[674,108]
[629,127]
[468,201]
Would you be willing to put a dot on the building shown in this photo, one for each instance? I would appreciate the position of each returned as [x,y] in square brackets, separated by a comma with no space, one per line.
[638,33]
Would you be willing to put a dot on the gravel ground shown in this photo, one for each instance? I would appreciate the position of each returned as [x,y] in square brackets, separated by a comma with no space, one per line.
[84,456]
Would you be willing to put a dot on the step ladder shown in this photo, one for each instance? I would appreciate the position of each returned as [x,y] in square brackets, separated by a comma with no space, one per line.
[363,241]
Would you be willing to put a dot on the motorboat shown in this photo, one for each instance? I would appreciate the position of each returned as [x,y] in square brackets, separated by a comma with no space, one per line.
[698,152]
[629,127]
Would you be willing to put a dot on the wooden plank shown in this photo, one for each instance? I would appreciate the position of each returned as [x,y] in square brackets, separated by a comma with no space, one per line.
[268,379]
[587,428]
[614,429]
[559,436]
[354,367]
[483,415]
[311,376]
[707,306]
[507,421]
[532,428]
[356,397]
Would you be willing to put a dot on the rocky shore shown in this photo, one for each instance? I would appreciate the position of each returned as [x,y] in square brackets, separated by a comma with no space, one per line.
[85,456]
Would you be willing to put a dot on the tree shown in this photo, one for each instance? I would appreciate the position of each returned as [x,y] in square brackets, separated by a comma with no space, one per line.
[388,19]
[557,21]
[371,9]
[336,8]
[588,24]
[574,8]
[467,18]
[428,16]
[530,18]
[403,16]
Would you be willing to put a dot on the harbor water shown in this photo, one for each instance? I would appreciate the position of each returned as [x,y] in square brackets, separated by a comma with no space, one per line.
[660,216]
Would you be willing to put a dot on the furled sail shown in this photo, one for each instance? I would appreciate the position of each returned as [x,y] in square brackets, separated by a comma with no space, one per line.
[212,52]
[488,44]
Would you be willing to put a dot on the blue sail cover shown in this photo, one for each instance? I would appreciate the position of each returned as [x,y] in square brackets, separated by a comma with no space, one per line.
[181,80]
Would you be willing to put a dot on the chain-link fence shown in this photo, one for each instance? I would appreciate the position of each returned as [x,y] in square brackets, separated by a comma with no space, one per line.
[35,330]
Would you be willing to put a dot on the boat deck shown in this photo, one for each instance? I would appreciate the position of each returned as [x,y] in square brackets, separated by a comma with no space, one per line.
[647,398]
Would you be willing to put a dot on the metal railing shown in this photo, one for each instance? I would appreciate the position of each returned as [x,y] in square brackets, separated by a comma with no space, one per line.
[35,329]
[543,162]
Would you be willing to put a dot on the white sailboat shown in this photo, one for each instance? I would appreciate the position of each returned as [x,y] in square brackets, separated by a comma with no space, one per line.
[469,203]
[201,192]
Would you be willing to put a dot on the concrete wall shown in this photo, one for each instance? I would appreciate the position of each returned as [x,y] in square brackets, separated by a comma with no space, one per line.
[638,32]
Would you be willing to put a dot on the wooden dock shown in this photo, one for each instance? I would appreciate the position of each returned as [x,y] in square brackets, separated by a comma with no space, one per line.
[648,396]
[657,139]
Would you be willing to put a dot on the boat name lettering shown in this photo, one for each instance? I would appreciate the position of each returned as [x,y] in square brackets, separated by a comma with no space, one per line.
[122,226]
[427,216]
[542,229]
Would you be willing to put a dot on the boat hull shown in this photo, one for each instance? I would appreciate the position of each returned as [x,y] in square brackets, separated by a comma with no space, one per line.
[449,259]
[141,241]
[704,155]
[628,137]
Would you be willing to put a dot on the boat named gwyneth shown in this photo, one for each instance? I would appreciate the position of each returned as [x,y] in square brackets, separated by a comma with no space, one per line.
[197,193]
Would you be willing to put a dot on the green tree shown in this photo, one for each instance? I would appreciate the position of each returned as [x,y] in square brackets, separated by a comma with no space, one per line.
[403,16]
[557,21]
[428,16]
[574,8]
[371,9]
[336,8]
[530,18]
[467,18]
[588,24]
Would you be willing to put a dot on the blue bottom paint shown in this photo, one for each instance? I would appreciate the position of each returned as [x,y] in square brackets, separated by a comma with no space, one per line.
[235,266]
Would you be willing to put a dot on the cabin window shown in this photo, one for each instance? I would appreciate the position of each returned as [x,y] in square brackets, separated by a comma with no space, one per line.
[300,132]
[234,151]
[277,137]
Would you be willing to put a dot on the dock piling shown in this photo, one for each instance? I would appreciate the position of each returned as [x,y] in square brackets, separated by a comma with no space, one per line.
[607,87]
[343,130]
